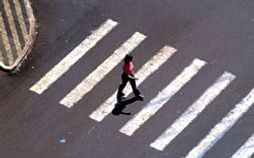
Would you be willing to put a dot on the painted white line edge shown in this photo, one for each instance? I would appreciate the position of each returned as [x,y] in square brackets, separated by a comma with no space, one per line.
[222,127]
[102,70]
[146,70]
[64,65]
[192,112]
[247,150]
[163,97]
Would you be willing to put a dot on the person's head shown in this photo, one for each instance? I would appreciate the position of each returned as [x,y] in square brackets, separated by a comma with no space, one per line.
[128,58]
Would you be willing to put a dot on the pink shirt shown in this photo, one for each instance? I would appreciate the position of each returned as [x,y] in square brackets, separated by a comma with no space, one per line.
[128,68]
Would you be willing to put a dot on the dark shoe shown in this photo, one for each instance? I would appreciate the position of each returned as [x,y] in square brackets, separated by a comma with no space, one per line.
[140,97]
[120,95]
[121,99]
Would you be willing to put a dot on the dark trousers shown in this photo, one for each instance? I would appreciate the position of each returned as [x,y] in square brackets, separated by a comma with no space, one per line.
[125,80]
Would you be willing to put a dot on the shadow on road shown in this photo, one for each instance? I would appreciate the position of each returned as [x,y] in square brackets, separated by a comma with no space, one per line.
[119,107]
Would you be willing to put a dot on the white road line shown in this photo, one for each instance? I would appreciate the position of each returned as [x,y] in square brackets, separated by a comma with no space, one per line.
[222,127]
[192,112]
[147,69]
[247,150]
[64,65]
[102,70]
[164,96]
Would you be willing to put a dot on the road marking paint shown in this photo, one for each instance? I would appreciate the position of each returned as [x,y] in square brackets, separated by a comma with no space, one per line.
[12,26]
[146,70]
[222,127]
[101,71]
[21,18]
[247,150]
[64,65]
[192,112]
[164,96]
[5,43]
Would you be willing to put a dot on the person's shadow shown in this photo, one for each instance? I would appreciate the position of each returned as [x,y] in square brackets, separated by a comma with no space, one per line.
[118,109]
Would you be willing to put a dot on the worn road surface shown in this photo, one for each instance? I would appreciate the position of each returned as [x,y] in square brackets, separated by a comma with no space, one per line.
[194,60]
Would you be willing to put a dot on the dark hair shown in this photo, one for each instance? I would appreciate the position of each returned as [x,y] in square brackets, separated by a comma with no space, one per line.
[128,58]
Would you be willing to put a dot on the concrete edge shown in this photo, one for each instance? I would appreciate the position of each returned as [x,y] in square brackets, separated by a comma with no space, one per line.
[28,46]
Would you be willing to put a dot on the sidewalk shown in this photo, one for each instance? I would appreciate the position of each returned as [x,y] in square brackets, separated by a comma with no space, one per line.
[17,32]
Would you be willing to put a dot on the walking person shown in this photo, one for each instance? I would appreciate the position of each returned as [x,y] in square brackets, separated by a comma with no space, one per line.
[128,76]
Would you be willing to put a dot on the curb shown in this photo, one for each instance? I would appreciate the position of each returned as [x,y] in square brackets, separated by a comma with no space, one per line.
[28,46]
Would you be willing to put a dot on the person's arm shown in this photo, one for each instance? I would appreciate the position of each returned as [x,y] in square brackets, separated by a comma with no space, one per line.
[132,77]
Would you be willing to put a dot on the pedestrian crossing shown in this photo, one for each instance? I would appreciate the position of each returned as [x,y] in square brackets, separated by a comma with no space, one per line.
[88,83]
[223,126]
[155,104]
[64,65]
[192,112]
[247,150]
[148,68]
[163,97]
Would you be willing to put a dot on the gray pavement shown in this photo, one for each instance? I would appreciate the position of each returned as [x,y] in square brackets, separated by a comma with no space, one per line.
[218,32]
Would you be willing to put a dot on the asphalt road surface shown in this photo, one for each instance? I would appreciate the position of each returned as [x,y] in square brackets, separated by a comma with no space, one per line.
[194,60]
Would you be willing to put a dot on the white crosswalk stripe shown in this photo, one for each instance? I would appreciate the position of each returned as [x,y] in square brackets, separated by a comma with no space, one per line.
[64,65]
[155,104]
[247,150]
[222,127]
[192,112]
[102,70]
[163,97]
[147,69]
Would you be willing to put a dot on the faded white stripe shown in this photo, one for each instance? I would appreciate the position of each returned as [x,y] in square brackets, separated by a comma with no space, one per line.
[164,96]
[97,75]
[6,58]
[222,127]
[146,70]
[64,65]
[247,150]
[21,18]
[192,112]
[12,25]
